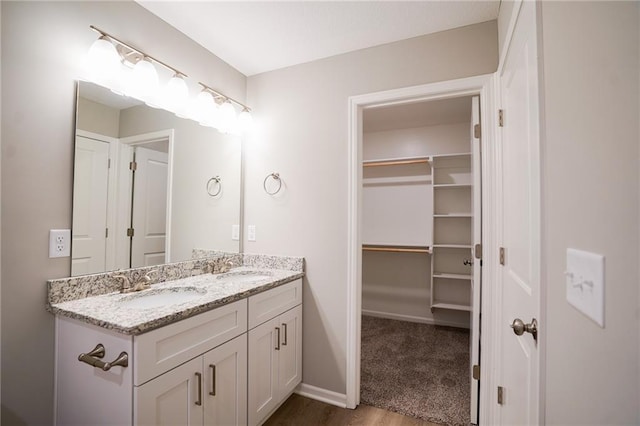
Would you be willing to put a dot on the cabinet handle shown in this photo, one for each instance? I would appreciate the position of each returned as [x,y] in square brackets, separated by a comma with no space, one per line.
[284,326]
[278,338]
[213,379]
[199,376]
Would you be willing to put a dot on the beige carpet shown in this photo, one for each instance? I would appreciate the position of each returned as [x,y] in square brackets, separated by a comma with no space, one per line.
[420,370]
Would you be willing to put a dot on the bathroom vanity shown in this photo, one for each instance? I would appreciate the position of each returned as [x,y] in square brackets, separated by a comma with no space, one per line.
[209,349]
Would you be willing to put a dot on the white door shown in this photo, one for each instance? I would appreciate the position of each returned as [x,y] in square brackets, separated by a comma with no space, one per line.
[476,239]
[519,355]
[225,400]
[149,217]
[263,370]
[290,362]
[174,398]
[90,186]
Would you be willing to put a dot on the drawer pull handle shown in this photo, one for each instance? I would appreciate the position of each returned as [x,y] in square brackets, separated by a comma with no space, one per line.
[284,326]
[278,338]
[92,358]
[213,380]
[199,376]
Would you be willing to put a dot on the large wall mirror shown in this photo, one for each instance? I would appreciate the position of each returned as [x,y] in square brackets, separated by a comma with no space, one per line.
[149,187]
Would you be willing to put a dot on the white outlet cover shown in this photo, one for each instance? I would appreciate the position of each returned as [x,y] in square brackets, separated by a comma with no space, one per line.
[235,232]
[59,242]
[251,233]
[585,283]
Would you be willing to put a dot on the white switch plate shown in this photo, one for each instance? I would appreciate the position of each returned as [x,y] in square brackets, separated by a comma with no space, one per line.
[251,233]
[585,283]
[235,232]
[59,242]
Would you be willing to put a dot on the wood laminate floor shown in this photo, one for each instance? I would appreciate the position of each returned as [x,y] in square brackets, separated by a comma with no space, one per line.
[298,410]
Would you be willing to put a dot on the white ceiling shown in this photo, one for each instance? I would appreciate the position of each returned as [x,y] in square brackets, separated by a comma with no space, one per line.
[259,36]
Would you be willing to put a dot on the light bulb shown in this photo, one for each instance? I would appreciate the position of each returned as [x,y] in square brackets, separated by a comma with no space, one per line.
[227,117]
[102,61]
[245,121]
[143,82]
[176,94]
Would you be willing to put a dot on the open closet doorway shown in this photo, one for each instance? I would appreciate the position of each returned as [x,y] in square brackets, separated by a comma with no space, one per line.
[421,239]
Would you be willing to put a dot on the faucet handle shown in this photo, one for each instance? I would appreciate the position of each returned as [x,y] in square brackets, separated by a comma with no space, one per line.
[126,283]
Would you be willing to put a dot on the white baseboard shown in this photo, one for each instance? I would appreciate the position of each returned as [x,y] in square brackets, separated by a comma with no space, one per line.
[323,395]
[411,318]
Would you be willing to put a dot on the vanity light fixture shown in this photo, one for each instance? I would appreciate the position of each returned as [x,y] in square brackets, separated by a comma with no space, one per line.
[130,71]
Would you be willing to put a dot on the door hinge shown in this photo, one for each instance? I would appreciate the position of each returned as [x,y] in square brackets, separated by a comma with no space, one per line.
[478,251]
[502,255]
[130,232]
[133,166]
[106,232]
[476,131]
[500,118]
[500,395]
[109,163]
[476,372]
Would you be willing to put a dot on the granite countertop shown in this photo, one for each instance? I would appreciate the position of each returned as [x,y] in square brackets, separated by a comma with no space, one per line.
[110,311]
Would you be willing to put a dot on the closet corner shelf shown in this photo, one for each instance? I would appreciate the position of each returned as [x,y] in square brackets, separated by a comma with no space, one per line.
[454,215]
[453,306]
[456,155]
[452,276]
[394,248]
[452,185]
[453,246]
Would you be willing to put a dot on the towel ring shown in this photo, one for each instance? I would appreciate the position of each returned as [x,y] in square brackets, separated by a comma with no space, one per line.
[276,177]
[218,181]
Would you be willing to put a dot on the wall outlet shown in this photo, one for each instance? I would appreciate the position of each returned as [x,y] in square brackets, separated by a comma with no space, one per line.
[235,232]
[60,243]
[251,233]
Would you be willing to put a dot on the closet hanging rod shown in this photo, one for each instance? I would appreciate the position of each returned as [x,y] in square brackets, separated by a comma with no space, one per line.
[395,162]
[395,249]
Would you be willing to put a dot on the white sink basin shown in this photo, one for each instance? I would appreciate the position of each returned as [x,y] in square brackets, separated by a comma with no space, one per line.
[155,298]
[243,276]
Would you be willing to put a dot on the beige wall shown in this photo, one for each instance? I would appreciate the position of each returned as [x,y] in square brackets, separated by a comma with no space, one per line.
[303,135]
[97,118]
[42,46]
[590,195]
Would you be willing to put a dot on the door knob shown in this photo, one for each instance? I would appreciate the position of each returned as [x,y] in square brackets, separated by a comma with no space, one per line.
[519,327]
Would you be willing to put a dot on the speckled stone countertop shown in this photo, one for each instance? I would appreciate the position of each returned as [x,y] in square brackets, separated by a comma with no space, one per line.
[110,310]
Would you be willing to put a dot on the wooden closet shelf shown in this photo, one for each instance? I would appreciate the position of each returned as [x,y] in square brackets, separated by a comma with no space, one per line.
[397,249]
[453,306]
[395,162]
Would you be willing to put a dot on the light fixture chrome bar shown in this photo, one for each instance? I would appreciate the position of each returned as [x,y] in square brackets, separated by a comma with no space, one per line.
[222,95]
[128,46]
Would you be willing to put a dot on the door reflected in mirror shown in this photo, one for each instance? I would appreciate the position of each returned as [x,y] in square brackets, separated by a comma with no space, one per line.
[149,187]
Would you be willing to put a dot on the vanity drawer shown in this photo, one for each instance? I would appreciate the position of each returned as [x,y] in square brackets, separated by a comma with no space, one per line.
[167,347]
[271,303]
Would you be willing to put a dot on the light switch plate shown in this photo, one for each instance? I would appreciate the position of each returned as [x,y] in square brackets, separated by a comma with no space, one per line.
[235,232]
[251,233]
[585,283]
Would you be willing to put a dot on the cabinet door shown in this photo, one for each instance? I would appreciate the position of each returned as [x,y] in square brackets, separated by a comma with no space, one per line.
[225,388]
[174,398]
[290,357]
[263,370]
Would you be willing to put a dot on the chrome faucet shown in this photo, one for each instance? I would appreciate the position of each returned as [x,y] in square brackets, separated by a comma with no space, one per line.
[139,285]
[226,267]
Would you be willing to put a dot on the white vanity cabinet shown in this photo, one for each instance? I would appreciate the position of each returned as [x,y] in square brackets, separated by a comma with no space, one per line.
[232,365]
[275,349]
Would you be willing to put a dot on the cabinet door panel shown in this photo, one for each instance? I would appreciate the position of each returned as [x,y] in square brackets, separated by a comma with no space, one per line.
[170,399]
[225,386]
[290,359]
[263,370]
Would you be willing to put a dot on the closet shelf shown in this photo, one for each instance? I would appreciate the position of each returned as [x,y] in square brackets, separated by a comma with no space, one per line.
[391,248]
[452,276]
[450,156]
[454,215]
[396,161]
[453,246]
[452,185]
[454,306]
